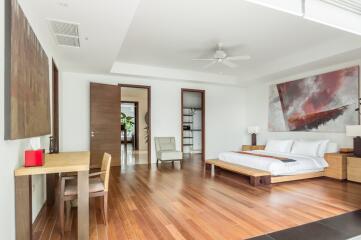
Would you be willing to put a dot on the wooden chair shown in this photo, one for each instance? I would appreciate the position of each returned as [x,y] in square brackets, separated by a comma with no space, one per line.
[98,187]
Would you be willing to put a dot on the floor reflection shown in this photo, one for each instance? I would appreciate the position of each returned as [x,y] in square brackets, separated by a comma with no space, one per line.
[129,156]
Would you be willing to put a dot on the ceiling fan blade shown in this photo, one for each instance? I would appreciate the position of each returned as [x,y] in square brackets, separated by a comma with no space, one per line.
[243,57]
[229,64]
[210,64]
[203,59]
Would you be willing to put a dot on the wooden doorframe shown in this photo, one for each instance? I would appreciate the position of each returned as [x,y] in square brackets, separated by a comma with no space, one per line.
[52,179]
[149,92]
[203,94]
[55,104]
[136,120]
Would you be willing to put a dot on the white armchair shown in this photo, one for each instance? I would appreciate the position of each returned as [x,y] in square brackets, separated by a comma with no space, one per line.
[166,150]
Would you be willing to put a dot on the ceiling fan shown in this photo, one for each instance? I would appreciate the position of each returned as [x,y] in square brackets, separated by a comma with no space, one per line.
[221,57]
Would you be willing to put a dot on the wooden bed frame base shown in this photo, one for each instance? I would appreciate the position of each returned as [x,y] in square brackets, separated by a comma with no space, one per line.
[259,177]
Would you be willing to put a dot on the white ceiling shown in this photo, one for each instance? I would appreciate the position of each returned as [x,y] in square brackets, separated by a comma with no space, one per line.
[102,26]
[159,38]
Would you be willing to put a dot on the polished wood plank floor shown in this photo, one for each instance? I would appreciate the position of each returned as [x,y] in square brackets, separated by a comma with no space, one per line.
[168,203]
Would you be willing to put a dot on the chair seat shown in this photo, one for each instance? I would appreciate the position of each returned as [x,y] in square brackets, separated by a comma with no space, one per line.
[95,185]
[170,155]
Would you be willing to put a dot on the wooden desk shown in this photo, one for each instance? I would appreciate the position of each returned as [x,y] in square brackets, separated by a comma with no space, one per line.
[54,163]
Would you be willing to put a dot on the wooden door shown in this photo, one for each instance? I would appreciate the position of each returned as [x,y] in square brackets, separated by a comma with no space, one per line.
[104,123]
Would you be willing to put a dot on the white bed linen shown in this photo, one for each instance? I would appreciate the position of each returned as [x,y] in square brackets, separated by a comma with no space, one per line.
[303,164]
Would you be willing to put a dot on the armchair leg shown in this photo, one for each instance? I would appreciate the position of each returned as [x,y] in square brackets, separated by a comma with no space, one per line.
[172,163]
[61,215]
[67,209]
[105,207]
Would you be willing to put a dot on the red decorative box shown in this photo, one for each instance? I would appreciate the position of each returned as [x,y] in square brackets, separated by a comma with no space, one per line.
[34,158]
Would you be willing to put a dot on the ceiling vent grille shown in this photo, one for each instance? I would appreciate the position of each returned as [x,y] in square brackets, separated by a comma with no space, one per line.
[67,41]
[348,5]
[65,34]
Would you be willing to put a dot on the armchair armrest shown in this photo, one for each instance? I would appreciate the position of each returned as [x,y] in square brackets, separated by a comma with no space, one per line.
[96,174]
[62,183]
[68,178]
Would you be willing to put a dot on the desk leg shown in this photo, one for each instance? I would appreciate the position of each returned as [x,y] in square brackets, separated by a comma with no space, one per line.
[51,185]
[23,210]
[83,205]
[213,170]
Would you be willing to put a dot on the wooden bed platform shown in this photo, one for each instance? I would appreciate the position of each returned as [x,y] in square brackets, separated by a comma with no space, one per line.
[259,177]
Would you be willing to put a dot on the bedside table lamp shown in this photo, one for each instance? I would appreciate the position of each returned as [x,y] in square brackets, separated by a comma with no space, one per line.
[355,131]
[253,130]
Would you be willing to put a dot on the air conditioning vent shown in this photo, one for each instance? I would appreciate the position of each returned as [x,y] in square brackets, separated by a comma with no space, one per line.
[348,5]
[65,28]
[65,33]
[67,41]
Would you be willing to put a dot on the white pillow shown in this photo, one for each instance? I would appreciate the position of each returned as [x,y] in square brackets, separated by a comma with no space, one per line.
[323,147]
[306,148]
[332,148]
[283,146]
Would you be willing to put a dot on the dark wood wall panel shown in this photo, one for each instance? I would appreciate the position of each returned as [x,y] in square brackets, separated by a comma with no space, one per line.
[27,101]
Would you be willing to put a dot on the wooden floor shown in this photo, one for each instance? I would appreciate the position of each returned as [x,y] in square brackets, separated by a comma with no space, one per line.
[169,203]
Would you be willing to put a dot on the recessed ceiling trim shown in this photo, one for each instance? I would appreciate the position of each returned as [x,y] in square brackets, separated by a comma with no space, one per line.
[348,5]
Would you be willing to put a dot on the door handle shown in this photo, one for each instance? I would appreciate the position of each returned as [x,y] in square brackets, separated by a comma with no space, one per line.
[92,133]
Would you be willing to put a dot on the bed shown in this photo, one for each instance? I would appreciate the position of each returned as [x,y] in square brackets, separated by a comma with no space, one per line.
[272,165]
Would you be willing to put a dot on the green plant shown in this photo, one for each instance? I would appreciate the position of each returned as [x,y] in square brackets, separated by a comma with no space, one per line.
[127,122]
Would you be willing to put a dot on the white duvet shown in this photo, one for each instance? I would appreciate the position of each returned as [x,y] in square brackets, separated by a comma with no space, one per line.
[303,163]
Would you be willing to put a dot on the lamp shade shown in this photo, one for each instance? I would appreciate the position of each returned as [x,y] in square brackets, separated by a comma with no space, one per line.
[353,130]
[253,129]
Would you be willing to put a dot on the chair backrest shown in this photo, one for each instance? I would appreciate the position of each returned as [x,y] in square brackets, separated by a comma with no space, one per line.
[107,158]
[164,144]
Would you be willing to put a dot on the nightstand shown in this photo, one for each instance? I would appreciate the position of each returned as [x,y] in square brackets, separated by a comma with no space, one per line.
[354,169]
[337,165]
[251,148]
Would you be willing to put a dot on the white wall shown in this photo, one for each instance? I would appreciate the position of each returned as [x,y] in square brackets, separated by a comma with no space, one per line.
[257,111]
[11,157]
[224,116]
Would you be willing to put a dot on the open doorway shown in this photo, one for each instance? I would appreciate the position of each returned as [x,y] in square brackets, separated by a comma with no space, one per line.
[193,123]
[130,110]
[135,124]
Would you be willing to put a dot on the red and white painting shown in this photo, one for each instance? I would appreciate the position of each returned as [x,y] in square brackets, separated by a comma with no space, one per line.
[322,103]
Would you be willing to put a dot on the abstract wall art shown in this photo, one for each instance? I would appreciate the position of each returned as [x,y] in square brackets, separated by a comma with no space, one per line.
[321,103]
[27,101]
